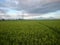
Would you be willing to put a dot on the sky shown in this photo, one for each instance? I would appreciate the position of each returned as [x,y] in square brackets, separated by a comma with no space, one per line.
[31,9]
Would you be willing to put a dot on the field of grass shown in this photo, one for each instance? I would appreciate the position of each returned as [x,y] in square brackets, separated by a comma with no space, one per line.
[24,32]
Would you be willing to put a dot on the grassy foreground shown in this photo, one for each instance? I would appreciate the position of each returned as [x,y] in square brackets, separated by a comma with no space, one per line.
[30,32]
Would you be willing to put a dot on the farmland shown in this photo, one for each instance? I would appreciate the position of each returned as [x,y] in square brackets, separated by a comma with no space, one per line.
[30,32]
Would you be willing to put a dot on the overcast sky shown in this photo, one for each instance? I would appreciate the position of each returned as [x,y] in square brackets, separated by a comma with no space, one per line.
[12,9]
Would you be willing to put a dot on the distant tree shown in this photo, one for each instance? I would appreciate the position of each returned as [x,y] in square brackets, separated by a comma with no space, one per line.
[3,19]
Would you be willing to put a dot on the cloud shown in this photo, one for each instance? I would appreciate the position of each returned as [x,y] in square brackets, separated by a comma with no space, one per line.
[47,8]
[33,6]
[30,6]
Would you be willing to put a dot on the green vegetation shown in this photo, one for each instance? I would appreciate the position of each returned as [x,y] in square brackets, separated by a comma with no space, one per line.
[24,32]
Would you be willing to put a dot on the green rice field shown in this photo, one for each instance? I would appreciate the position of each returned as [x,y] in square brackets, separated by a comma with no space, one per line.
[30,32]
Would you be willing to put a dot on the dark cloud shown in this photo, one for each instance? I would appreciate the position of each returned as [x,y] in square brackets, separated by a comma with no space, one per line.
[32,6]
[38,6]
[46,8]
